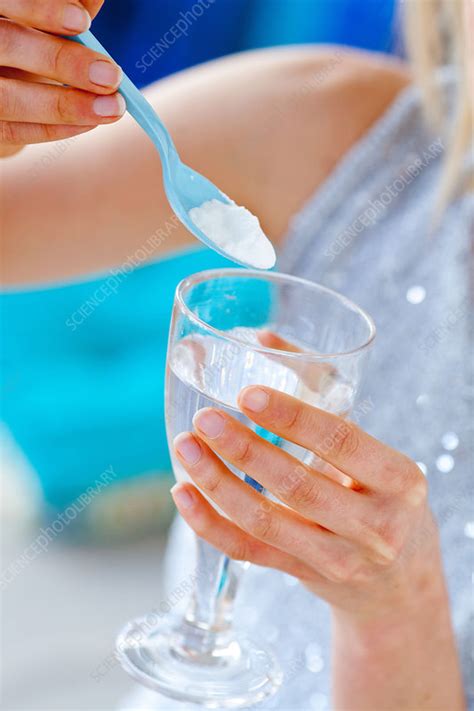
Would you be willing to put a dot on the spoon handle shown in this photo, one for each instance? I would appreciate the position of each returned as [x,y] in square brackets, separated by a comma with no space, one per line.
[137,106]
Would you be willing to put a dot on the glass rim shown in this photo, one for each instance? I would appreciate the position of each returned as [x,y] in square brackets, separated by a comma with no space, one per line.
[207,274]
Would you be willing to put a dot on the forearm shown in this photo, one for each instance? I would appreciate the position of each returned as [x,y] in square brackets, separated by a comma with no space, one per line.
[405,663]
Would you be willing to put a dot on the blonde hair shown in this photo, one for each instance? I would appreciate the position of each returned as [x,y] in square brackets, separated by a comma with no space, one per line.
[437,33]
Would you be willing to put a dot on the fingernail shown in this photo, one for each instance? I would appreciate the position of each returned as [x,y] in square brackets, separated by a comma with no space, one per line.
[188,447]
[254,399]
[209,422]
[183,498]
[105,73]
[76,19]
[109,105]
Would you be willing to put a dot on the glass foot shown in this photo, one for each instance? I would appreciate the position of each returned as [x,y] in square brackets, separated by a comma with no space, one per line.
[188,663]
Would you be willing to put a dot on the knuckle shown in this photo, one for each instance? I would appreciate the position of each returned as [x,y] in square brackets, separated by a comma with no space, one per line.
[408,482]
[7,99]
[50,132]
[59,59]
[263,524]
[416,488]
[360,573]
[239,550]
[338,571]
[387,540]
[293,420]
[8,133]
[64,106]
[302,490]
[346,568]
[211,484]
[243,453]
[345,441]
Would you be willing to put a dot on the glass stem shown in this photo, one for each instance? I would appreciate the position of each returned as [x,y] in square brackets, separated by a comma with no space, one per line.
[206,632]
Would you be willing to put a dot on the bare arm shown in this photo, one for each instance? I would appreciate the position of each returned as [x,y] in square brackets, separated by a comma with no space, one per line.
[266,127]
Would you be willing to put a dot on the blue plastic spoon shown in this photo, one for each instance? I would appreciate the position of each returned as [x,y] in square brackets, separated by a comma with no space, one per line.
[184,187]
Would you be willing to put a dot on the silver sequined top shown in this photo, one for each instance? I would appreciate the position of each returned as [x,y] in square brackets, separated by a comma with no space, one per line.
[366,233]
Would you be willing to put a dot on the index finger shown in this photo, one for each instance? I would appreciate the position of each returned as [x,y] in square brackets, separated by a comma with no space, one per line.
[336,440]
[67,17]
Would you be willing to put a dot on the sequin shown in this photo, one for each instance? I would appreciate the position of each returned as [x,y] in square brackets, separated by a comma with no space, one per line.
[313,649]
[319,702]
[422,400]
[315,665]
[450,441]
[271,634]
[445,463]
[416,294]
[423,467]
[314,659]
[469,529]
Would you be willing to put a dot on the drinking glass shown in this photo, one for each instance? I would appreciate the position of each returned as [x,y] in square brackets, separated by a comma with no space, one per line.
[231,328]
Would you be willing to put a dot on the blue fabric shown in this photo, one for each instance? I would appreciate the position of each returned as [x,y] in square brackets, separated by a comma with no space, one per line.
[367,24]
[79,400]
[139,32]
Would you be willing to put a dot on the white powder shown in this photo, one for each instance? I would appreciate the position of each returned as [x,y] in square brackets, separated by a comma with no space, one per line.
[235,231]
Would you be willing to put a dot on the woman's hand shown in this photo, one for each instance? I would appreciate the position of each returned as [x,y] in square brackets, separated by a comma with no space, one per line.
[52,88]
[365,541]
[366,547]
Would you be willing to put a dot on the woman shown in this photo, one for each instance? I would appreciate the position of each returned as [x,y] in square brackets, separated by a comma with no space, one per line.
[101,347]
[339,140]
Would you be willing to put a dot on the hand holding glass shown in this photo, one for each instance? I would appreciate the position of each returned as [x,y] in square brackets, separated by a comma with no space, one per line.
[233,328]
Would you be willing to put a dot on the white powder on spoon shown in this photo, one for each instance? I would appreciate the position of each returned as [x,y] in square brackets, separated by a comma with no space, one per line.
[235,231]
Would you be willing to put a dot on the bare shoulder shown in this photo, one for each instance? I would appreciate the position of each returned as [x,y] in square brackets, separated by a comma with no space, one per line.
[272,124]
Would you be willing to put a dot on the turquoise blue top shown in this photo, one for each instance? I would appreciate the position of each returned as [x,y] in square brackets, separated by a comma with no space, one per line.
[137,32]
[82,374]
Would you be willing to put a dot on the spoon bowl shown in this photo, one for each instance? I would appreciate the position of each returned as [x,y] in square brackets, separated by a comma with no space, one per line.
[185,188]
